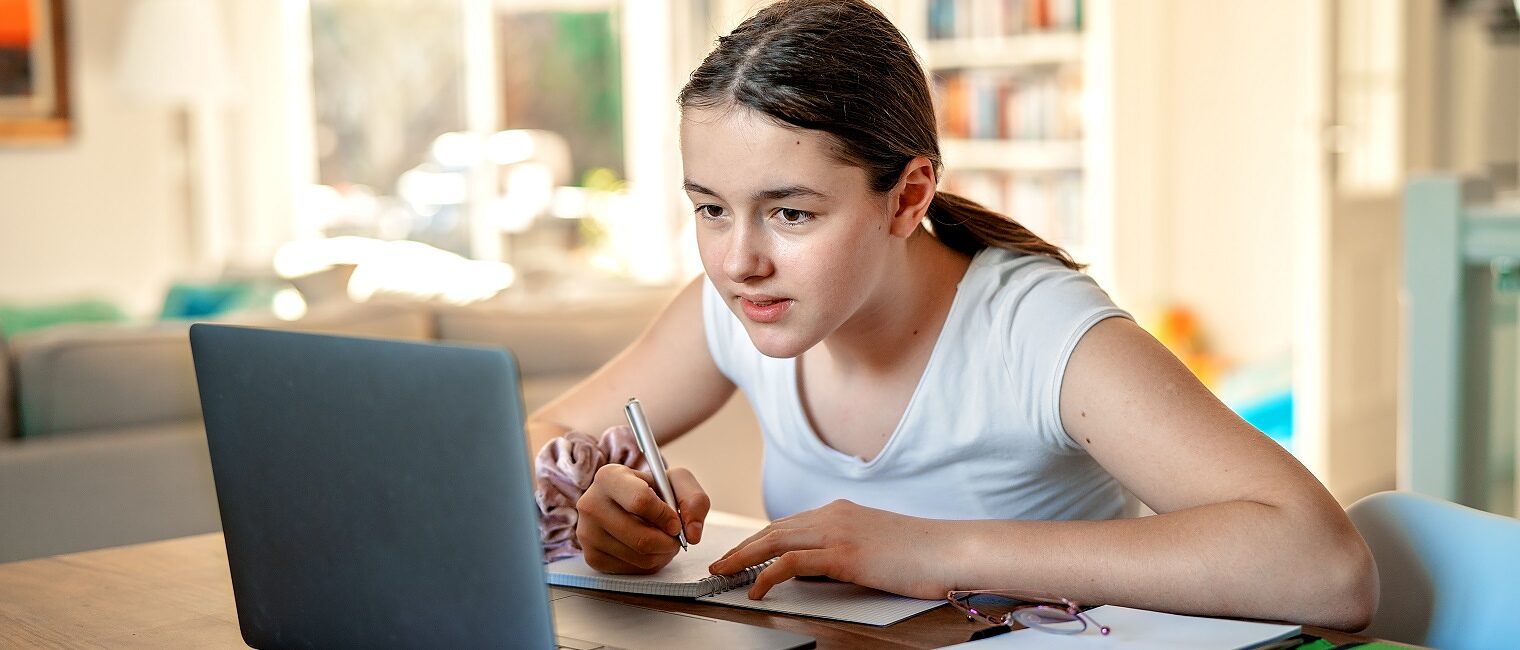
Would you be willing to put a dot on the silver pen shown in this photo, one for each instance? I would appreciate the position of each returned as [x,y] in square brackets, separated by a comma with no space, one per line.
[644,436]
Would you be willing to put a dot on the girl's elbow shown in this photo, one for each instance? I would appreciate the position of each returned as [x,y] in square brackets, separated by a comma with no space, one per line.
[1353,592]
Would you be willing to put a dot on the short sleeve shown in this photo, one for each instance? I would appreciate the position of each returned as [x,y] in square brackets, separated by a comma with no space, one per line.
[1049,308]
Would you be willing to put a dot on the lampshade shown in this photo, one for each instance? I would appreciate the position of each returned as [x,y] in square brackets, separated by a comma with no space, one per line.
[175,52]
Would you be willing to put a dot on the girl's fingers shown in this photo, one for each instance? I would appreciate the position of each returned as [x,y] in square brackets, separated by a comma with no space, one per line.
[634,492]
[794,522]
[765,546]
[747,541]
[791,564]
[632,560]
[693,500]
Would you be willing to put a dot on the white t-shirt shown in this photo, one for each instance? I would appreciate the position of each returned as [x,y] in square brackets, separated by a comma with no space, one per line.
[981,437]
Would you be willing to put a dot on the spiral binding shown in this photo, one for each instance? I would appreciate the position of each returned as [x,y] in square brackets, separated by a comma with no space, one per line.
[719,584]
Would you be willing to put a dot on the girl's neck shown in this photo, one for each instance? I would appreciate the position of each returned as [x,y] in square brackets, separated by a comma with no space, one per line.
[902,320]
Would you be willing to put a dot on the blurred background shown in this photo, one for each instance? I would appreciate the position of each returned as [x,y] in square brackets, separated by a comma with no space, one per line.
[1312,202]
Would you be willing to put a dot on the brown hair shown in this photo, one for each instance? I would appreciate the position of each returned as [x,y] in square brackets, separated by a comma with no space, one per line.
[841,67]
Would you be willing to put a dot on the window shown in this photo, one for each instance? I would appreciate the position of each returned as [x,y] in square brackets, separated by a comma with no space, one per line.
[501,140]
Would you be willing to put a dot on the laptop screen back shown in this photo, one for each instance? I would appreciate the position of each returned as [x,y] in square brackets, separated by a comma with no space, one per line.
[372,493]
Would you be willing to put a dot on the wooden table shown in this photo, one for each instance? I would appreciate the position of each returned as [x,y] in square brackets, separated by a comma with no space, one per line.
[177,594]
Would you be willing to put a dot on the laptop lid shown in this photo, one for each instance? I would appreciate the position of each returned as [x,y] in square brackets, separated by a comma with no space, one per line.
[373,493]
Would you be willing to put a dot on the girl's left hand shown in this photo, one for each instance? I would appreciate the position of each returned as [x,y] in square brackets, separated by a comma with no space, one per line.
[847,542]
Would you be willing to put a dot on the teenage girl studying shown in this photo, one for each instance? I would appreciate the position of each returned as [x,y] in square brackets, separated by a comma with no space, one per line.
[947,402]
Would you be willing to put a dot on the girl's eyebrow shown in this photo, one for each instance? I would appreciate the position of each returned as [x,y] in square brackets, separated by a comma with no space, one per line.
[698,189]
[790,191]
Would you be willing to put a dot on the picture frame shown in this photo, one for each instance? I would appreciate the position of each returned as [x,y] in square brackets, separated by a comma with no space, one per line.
[34,80]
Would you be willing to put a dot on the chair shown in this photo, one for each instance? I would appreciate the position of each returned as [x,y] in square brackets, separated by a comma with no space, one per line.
[1449,574]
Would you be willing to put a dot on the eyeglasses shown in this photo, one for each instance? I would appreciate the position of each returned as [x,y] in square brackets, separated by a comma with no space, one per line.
[1004,608]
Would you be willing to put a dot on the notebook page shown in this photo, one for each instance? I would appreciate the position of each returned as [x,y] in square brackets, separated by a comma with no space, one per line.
[1141,629]
[686,575]
[840,601]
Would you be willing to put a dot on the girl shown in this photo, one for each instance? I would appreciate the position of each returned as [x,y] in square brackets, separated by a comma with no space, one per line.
[947,401]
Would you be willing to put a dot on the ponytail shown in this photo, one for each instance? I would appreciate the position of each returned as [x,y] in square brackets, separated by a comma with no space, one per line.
[841,67]
[968,227]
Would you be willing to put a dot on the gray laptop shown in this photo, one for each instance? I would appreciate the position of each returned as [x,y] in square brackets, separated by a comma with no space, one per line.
[376,494]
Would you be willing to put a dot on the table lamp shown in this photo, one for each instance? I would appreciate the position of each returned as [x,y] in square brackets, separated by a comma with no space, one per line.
[174,54]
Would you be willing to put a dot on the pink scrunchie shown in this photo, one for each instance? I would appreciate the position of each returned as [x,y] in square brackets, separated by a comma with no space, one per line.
[565,468]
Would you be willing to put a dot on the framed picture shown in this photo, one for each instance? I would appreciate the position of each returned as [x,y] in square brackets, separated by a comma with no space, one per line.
[34,98]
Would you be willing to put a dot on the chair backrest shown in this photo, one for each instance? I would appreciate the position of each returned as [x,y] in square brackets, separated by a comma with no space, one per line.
[1449,574]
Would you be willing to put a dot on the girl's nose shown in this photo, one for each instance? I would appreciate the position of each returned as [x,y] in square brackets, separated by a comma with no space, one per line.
[745,258]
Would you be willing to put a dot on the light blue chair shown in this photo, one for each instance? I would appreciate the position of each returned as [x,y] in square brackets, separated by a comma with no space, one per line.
[1449,574]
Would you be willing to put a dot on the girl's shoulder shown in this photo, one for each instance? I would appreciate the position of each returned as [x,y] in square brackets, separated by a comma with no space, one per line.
[1032,302]
[1004,275]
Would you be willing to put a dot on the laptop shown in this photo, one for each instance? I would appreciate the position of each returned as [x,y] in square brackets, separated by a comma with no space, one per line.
[377,494]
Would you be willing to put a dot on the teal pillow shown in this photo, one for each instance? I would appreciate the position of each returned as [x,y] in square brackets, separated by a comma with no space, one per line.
[195,301]
[15,319]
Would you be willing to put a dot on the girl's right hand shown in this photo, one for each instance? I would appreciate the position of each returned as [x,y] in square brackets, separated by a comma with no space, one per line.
[625,527]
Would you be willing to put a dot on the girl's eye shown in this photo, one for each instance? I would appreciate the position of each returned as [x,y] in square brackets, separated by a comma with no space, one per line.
[709,211]
[792,217]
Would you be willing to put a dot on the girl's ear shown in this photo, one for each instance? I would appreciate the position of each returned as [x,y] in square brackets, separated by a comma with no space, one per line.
[910,198]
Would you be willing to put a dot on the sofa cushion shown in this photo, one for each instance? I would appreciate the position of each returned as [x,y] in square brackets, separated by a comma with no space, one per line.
[553,340]
[60,494]
[84,377]
[79,377]
[407,321]
[7,391]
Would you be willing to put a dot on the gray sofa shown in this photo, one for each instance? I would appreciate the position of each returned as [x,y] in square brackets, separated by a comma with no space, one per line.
[115,453]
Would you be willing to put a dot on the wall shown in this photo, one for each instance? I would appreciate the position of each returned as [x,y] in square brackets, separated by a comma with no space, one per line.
[1213,134]
[1242,113]
[102,214]
[107,213]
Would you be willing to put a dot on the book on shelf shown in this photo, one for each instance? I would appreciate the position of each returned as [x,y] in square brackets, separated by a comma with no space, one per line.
[1049,204]
[951,19]
[1010,104]
[1007,81]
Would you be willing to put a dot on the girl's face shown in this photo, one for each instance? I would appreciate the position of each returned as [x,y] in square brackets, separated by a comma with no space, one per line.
[793,239]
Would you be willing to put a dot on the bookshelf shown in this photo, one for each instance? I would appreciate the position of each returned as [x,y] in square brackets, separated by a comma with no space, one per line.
[1030,48]
[1039,155]
[1009,79]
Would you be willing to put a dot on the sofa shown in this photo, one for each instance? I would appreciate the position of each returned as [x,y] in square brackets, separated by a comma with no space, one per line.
[101,441]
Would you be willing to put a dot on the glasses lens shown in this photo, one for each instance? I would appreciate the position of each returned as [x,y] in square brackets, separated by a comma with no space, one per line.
[1050,619]
[993,607]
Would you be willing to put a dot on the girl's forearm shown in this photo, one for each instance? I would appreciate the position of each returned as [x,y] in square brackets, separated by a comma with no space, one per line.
[1235,558]
[540,432]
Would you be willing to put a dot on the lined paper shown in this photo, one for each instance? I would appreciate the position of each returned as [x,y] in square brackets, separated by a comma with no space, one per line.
[687,577]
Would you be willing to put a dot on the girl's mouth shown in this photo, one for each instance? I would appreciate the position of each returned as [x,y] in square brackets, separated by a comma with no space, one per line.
[765,311]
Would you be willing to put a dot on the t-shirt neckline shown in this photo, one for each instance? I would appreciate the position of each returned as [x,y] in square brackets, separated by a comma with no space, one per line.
[855,463]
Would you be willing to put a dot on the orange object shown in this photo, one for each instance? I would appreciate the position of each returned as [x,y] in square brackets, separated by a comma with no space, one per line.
[1178,329]
[16,26]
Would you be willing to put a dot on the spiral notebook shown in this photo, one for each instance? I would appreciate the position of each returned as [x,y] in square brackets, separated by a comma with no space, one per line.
[687,577]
